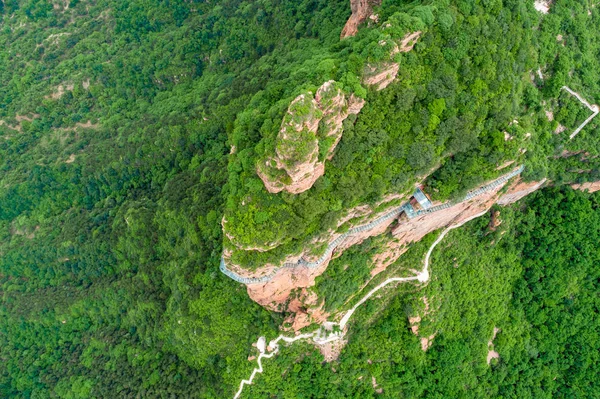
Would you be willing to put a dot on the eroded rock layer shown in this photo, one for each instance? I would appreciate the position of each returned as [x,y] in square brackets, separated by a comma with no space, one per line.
[309,133]
[275,294]
[361,10]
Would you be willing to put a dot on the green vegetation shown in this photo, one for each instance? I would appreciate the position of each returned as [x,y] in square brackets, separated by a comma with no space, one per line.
[346,277]
[571,113]
[467,99]
[256,218]
[535,278]
[117,123]
[109,263]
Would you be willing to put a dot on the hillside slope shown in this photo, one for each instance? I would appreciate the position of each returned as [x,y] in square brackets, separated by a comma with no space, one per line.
[454,97]
[149,147]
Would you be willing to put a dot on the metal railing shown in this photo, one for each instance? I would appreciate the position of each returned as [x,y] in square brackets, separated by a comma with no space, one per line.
[407,208]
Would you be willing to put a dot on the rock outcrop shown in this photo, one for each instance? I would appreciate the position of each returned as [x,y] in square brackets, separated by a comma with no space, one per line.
[518,190]
[591,187]
[412,230]
[309,133]
[275,293]
[383,73]
[305,310]
[361,10]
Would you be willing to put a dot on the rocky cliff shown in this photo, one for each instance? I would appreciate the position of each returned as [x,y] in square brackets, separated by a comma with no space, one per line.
[361,11]
[287,288]
[309,133]
[276,293]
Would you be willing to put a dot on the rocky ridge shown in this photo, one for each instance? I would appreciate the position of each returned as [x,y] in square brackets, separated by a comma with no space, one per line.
[275,293]
[312,128]
[309,133]
[400,232]
[308,136]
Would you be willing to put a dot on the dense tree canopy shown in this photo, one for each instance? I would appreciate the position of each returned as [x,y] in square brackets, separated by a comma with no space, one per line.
[535,278]
[117,122]
[467,99]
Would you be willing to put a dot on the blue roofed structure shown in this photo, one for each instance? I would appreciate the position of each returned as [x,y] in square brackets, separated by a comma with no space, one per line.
[422,199]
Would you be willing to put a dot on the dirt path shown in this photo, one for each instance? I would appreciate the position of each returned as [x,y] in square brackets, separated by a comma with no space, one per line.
[327,333]
[275,345]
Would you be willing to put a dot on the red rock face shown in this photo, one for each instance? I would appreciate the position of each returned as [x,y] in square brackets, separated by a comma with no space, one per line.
[518,190]
[277,291]
[275,294]
[361,10]
[327,110]
[414,229]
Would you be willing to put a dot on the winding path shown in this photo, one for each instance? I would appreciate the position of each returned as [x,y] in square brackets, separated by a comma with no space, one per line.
[394,213]
[325,333]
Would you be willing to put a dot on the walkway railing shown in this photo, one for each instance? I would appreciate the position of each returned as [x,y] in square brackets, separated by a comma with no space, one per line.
[406,208]
[594,108]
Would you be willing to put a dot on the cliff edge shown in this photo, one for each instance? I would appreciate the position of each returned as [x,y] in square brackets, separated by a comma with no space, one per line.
[309,133]
[361,10]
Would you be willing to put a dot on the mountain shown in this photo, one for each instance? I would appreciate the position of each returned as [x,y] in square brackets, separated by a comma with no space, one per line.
[435,113]
[371,198]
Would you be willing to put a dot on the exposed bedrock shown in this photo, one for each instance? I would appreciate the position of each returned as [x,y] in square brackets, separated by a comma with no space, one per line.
[309,133]
[413,230]
[381,74]
[591,187]
[361,11]
[276,293]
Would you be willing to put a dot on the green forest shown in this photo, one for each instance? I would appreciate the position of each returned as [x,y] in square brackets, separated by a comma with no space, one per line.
[535,278]
[117,123]
[470,82]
